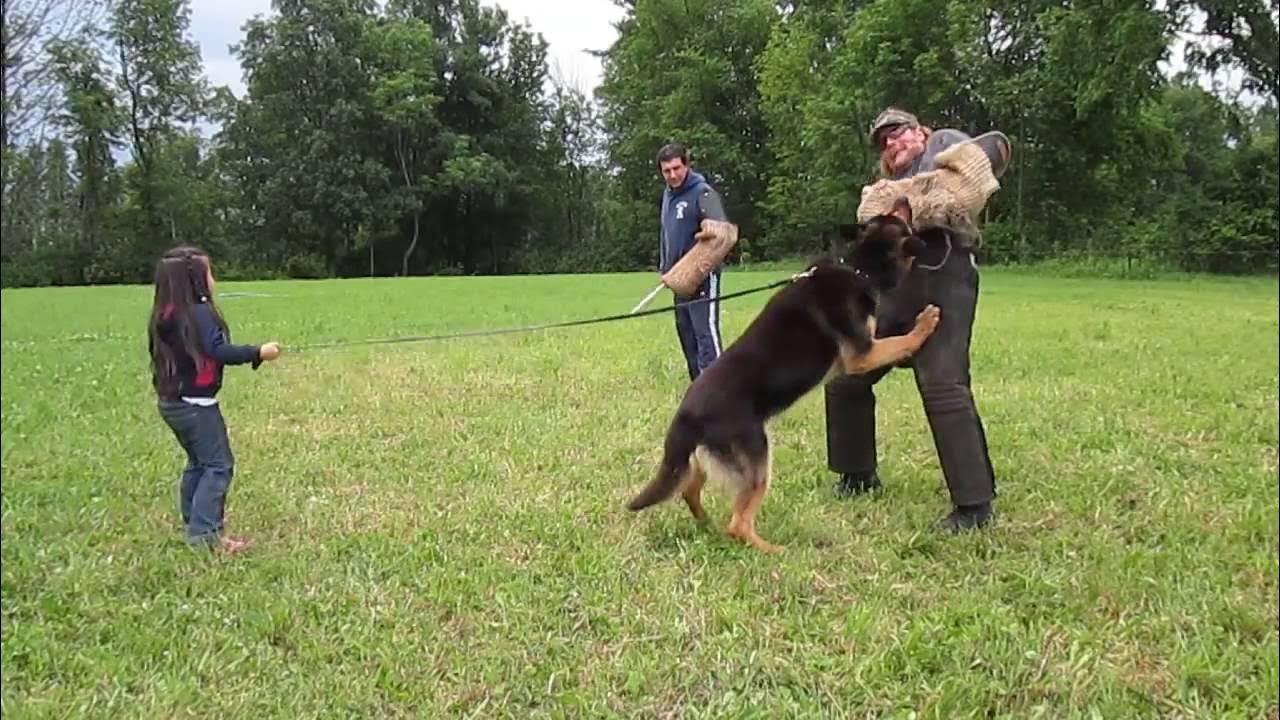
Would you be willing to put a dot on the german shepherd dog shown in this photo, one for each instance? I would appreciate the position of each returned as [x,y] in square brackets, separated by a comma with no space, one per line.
[813,328]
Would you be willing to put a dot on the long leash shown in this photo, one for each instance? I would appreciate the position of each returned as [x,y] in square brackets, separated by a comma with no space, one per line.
[543,326]
[578,323]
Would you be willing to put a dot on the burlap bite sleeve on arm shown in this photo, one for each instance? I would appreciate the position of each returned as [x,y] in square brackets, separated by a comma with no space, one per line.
[953,194]
[713,242]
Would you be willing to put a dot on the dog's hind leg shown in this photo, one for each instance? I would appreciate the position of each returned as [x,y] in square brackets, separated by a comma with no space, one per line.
[756,469]
[696,478]
[745,506]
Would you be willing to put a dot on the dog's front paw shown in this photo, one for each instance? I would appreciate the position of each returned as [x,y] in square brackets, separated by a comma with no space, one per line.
[926,322]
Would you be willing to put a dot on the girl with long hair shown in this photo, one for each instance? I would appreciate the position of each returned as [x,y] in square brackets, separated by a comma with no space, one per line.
[190,343]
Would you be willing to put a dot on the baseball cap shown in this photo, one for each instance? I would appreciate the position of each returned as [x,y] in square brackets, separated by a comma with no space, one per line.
[889,118]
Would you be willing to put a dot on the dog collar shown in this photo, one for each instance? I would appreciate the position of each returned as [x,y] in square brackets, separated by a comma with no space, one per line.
[805,274]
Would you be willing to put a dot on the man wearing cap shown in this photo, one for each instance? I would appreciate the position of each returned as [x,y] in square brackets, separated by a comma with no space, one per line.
[945,276]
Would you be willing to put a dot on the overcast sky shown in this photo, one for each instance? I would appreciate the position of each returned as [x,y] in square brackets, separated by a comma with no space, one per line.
[565,24]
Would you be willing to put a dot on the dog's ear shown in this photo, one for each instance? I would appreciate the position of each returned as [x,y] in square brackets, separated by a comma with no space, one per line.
[851,232]
[902,209]
[912,246]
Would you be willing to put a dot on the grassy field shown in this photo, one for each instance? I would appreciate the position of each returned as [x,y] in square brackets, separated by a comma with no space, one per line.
[439,528]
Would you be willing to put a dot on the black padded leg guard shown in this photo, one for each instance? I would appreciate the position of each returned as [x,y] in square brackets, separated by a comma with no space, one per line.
[961,443]
[851,425]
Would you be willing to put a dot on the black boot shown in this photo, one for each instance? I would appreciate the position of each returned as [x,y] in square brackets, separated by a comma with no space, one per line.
[851,484]
[968,517]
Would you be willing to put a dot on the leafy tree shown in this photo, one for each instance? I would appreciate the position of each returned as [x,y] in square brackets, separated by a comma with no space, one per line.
[1235,33]
[93,120]
[164,93]
[686,71]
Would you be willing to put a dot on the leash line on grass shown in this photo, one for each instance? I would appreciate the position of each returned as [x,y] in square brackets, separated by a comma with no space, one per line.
[541,326]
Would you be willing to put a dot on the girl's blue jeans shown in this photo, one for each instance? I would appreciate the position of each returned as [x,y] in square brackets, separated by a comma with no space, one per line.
[206,479]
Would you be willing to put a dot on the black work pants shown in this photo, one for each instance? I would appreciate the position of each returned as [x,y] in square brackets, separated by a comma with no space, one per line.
[942,377]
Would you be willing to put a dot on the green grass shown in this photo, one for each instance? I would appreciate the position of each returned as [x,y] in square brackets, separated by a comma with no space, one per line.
[439,529]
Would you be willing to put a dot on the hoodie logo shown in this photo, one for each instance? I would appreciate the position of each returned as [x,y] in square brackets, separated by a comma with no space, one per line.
[680,206]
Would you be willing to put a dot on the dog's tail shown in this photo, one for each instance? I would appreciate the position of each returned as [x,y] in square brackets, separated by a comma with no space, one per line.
[682,437]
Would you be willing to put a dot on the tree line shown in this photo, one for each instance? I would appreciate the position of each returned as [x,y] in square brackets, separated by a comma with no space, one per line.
[412,137]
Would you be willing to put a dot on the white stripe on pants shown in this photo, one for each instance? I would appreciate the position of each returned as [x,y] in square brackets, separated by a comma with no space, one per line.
[713,310]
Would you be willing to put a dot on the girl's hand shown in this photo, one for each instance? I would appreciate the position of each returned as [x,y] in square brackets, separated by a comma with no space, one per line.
[269,351]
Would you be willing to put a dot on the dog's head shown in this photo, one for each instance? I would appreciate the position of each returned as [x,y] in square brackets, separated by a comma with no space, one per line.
[884,247]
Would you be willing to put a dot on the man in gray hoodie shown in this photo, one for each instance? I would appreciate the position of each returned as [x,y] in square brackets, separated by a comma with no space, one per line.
[688,200]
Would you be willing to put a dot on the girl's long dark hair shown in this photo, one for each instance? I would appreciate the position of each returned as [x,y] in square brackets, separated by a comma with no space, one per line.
[181,281]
